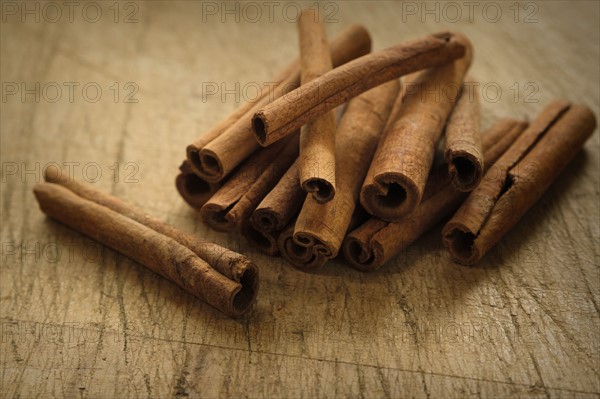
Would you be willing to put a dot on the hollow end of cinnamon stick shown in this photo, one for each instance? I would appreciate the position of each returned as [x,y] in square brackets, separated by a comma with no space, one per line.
[265,242]
[391,197]
[299,256]
[244,299]
[460,243]
[260,130]
[217,217]
[321,190]
[193,189]
[206,164]
[265,220]
[359,255]
[465,171]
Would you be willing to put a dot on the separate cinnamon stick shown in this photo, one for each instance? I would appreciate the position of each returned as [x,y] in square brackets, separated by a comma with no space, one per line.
[463,151]
[229,263]
[321,227]
[160,253]
[216,159]
[264,241]
[298,107]
[239,196]
[394,184]
[518,180]
[192,188]
[375,242]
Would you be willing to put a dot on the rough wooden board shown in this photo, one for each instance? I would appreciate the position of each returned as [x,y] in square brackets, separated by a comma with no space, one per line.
[88,322]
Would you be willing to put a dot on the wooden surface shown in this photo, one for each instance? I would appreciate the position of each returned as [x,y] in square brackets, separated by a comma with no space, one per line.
[79,320]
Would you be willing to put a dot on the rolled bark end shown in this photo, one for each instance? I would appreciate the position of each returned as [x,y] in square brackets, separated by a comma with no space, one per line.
[466,171]
[193,189]
[391,197]
[358,254]
[265,220]
[460,243]
[264,241]
[246,296]
[217,218]
[259,128]
[300,257]
[321,190]
[205,164]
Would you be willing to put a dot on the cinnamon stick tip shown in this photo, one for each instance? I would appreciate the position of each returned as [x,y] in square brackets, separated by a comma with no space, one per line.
[259,126]
[217,218]
[265,241]
[359,256]
[244,299]
[322,190]
[460,243]
[464,169]
[391,197]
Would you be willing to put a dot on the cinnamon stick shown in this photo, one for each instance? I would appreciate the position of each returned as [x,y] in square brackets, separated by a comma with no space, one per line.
[317,137]
[243,191]
[375,242]
[216,159]
[164,254]
[518,180]
[321,227]
[192,188]
[229,263]
[394,184]
[275,212]
[463,152]
[303,257]
[298,107]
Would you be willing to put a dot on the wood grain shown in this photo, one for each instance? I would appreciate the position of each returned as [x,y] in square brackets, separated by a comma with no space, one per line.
[79,320]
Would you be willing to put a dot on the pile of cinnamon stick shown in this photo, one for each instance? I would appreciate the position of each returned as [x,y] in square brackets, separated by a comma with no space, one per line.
[352,153]
[349,152]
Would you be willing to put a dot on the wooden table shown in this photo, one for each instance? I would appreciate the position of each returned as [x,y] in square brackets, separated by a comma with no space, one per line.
[120,94]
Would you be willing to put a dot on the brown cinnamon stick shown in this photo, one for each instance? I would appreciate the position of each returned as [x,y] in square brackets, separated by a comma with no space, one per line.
[518,180]
[394,184]
[192,188]
[321,227]
[243,191]
[463,152]
[375,242]
[305,258]
[229,263]
[275,212]
[129,231]
[317,137]
[288,113]
[216,159]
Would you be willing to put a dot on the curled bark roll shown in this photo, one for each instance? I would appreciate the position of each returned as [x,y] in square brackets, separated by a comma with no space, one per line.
[229,263]
[286,114]
[264,241]
[305,258]
[216,159]
[158,252]
[239,196]
[375,242]
[517,180]
[320,228]
[463,152]
[275,212]
[192,188]
[394,184]
[317,137]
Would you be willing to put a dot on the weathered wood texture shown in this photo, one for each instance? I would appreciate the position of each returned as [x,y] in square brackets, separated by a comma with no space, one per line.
[80,320]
